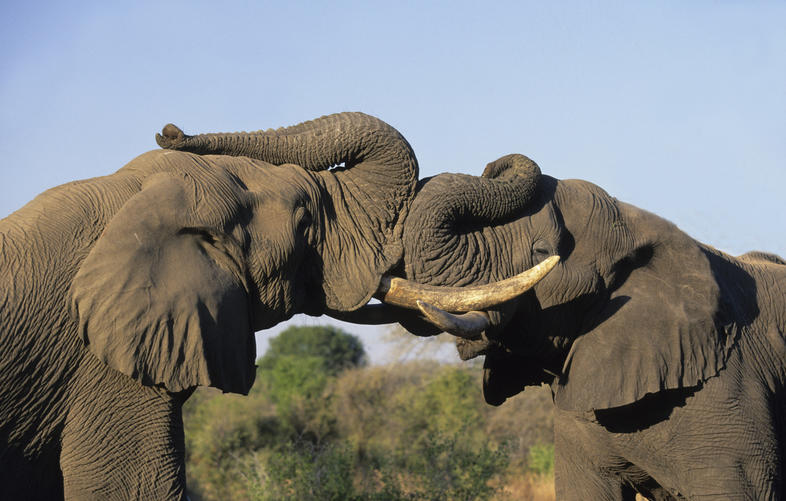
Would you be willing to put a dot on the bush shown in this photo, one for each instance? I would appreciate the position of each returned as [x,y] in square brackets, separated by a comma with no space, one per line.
[218,429]
[293,376]
[448,468]
[301,471]
[541,459]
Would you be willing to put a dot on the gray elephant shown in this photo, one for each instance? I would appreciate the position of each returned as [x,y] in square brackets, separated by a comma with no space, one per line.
[122,293]
[665,356]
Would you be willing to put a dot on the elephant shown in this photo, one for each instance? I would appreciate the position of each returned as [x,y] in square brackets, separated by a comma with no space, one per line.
[665,357]
[121,294]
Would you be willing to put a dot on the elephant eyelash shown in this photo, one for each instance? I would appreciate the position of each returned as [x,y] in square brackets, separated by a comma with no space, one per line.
[202,232]
[541,247]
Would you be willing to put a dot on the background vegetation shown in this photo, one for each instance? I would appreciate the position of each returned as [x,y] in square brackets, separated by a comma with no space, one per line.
[321,424]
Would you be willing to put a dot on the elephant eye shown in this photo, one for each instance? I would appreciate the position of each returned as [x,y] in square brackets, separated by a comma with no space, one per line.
[303,220]
[541,249]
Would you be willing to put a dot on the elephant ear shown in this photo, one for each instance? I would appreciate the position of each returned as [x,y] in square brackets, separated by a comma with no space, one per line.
[662,329]
[164,301]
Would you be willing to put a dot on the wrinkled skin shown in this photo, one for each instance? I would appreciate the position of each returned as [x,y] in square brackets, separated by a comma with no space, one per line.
[666,357]
[120,294]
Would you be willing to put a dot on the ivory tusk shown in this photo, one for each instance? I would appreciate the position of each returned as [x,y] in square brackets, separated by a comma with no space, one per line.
[469,325]
[404,293]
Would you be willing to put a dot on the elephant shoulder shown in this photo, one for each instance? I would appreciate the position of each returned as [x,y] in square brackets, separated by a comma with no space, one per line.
[158,160]
[760,256]
[186,163]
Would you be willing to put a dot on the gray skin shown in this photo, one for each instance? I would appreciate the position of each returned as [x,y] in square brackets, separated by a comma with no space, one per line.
[120,294]
[665,356]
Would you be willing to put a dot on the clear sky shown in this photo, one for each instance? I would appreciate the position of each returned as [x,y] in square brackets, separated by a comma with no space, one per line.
[676,107]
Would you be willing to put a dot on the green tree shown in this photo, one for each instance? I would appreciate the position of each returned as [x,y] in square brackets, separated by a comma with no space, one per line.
[294,376]
[336,349]
[286,402]
[443,404]
[295,371]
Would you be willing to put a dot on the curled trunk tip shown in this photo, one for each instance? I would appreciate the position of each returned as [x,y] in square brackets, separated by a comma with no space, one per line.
[171,136]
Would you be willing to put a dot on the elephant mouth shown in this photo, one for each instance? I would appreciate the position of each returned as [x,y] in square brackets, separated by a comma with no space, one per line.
[460,310]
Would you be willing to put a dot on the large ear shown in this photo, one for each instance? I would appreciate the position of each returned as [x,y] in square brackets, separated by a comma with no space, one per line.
[163,300]
[663,328]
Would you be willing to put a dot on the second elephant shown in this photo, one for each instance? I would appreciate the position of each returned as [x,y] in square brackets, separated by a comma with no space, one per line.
[665,356]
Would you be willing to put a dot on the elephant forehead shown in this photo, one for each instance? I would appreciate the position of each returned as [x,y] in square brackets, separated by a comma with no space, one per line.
[283,182]
[585,206]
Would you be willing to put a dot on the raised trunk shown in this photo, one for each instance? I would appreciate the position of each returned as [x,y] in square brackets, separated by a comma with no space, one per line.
[446,238]
[380,156]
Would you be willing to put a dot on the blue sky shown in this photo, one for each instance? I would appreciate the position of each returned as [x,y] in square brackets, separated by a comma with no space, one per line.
[676,107]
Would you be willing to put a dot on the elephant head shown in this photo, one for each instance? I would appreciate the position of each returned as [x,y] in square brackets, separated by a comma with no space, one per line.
[225,234]
[630,307]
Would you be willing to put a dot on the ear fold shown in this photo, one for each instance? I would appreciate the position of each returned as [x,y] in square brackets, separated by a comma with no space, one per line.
[163,301]
[662,330]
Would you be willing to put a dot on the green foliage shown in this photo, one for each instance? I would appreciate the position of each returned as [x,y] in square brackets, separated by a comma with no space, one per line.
[295,371]
[447,468]
[331,428]
[541,459]
[293,376]
[447,402]
[301,471]
[218,428]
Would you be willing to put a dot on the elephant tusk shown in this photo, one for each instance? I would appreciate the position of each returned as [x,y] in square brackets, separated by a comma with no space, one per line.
[468,326]
[404,293]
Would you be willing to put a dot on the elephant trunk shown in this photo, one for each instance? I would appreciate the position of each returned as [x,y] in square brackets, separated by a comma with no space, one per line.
[318,144]
[444,238]
[380,155]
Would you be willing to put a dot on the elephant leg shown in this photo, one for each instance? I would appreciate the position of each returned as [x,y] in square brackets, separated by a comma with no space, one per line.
[123,440]
[583,466]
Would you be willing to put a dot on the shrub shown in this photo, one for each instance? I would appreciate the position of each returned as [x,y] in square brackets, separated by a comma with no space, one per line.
[450,469]
[294,376]
[301,471]
[219,428]
[295,371]
[541,459]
